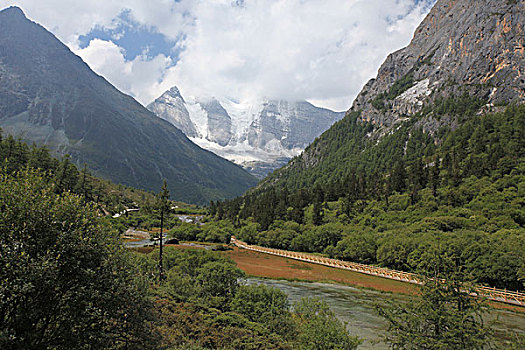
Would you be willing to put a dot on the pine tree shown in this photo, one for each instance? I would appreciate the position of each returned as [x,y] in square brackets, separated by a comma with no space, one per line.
[442,316]
[434,178]
[398,177]
[163,207]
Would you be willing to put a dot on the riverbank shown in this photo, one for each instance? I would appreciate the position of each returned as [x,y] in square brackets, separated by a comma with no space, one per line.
[267,266]
[262,265]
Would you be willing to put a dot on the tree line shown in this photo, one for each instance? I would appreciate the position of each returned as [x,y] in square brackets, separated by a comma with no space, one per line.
[16,155]
[392,202]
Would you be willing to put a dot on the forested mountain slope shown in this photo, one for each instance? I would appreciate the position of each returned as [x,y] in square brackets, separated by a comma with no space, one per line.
[429,162]
[50,96]
[465,58]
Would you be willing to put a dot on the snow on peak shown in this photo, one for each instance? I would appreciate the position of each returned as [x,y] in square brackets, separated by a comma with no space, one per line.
[257,130]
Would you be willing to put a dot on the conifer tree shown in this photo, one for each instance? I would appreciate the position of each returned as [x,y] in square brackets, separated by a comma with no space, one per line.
[442,316]
[163,207]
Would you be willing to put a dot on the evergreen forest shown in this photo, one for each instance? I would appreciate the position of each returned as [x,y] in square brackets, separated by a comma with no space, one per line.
[399,199]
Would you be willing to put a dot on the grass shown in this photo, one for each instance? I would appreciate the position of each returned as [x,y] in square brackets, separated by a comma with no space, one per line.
[270,266]
[262,265]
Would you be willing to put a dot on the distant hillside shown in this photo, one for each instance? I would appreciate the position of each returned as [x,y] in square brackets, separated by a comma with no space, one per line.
[50,96]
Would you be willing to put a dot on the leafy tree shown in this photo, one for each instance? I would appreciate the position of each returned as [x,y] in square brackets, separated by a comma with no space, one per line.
[218,283]
[267,305]
[442,316]
[319,329]
[66,280]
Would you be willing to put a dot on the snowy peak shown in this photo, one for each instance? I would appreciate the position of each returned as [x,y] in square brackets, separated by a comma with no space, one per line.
[175,93]
[172,108]
[294,124]
[219,123]
[260,135]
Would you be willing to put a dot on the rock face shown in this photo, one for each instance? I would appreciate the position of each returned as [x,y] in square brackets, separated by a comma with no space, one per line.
[260,135]
[294,124]
[50,96]
[466,58]
[462,47]
[219,123]
[171,107]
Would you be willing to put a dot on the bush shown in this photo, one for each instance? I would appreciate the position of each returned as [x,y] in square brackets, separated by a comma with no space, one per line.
[66,280]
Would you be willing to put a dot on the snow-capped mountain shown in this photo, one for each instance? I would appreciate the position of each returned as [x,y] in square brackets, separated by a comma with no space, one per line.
[259,135]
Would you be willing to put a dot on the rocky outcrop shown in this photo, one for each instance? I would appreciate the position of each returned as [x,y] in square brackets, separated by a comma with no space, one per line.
[294,124]
[462,47]
[171,107]
[219,123]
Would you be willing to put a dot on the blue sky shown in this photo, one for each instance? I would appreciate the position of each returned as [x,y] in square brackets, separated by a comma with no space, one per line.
[320,50]
[134,38]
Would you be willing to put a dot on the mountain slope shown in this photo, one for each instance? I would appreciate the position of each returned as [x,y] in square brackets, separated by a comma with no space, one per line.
[465,58]
[428,163]
[461,47]
[49,95]
[259,135]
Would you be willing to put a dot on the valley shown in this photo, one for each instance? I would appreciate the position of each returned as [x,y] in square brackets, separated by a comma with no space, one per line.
[233,213]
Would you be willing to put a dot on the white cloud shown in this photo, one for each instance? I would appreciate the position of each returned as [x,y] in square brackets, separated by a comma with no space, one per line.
[68,19]
[321,50]
[139,77]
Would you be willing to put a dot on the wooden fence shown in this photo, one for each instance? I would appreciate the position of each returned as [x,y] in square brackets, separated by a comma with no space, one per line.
[501,295]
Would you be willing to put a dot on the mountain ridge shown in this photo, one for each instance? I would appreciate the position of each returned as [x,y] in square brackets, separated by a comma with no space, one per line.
[49,95]
[483,55]
[260,135]
[447,74]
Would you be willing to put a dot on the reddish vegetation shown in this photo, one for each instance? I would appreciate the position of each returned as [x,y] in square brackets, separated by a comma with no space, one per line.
[178,246]
[271,266]
[143,250]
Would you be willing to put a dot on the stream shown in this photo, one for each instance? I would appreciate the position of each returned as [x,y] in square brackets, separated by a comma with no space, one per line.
[356,307]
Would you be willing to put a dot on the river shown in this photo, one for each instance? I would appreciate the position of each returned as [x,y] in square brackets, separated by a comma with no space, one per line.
[356,307]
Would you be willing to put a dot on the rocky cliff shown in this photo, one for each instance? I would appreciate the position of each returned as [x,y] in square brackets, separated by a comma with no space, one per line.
[171,107]
[466,59]
[219,128]
[463,47]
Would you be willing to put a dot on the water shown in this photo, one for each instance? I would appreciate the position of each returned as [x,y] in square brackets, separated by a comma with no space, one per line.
[356,307]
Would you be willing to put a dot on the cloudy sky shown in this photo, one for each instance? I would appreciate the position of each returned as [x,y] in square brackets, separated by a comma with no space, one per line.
[319,50]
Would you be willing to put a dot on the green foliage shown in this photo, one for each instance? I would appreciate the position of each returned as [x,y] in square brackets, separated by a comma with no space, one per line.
[66,280]
[319,328]
[218,283]
[390,201]
[442,316]
[401,85]
[68,283]
[266,305]
[204,304]
[16,155]
[464,106]
[357,246]
[185,232]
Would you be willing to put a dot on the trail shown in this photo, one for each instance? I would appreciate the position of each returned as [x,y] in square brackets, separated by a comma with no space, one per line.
[501,295]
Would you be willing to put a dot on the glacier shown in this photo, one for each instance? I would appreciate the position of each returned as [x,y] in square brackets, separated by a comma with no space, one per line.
[260,134]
